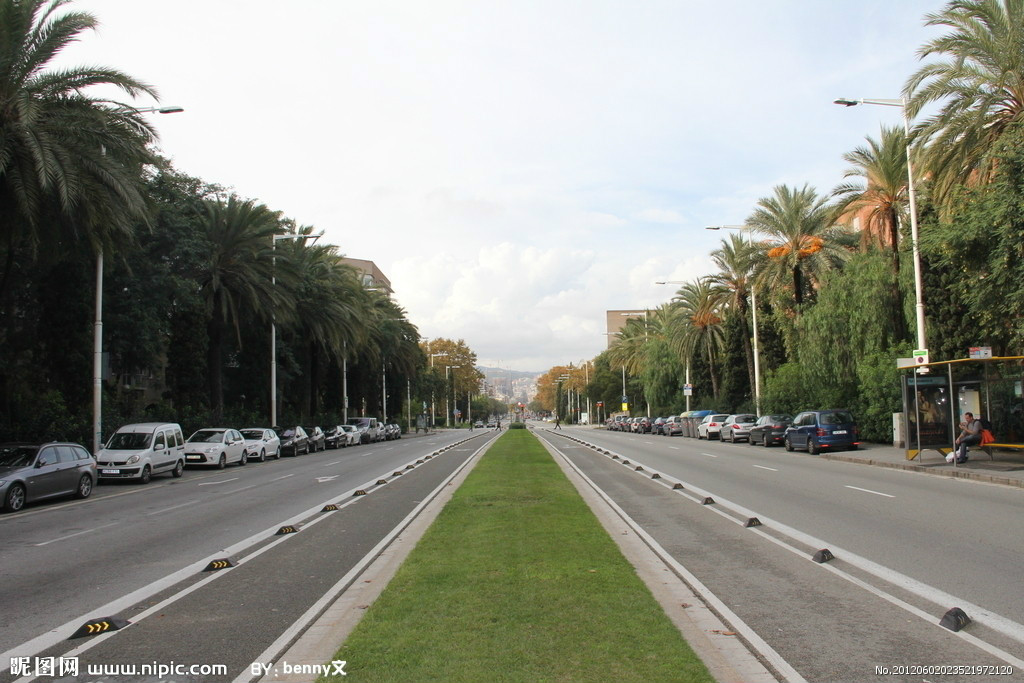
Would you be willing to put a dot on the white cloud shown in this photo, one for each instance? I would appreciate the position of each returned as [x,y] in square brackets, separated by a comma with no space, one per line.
[515,168]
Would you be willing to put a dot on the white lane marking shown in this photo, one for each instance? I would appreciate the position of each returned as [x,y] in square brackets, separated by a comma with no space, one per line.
[762,467]
[940,598]
[857,488]
[78,533]
[173,507]
[60,633]
[222,481]
[332,463]
[321,480]
[709,455]
[675,448]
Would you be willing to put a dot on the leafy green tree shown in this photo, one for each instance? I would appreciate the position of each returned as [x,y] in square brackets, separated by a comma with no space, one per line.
[978,84]
[979,254]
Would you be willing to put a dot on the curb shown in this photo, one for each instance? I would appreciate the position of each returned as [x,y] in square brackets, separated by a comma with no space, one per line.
[969,475]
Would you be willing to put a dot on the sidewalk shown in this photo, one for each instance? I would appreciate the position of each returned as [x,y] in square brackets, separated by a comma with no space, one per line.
[1006,467]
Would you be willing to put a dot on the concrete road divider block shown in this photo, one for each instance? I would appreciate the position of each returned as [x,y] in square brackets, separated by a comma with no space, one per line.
[359,492]
[955,619]
[677,486]
[823,555]
[217,565]
[330,507]
[95,627]
[753,521]
[287,530]
[655,476]
[381,482]
[708,500]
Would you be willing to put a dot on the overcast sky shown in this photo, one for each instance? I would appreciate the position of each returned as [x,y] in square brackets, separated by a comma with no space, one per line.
[515,167]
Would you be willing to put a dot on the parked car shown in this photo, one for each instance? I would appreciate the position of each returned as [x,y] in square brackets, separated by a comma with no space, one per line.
[262,443]
[817,430]
[392,431]
[370,430]
[334,437]
[673,426]
[711,426]
[737,427]
[769,429]
[31,472]
[294,441]
[351,435]
[317,439]
[658,426]
[138,451]
[216,446]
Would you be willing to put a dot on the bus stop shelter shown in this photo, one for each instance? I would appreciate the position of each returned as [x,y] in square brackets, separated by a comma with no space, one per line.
[935,400]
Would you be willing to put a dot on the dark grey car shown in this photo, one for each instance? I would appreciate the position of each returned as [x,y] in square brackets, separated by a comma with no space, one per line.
[770,429]
[31,472]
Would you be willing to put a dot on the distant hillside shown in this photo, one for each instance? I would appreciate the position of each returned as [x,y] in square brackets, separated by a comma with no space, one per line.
[504,372]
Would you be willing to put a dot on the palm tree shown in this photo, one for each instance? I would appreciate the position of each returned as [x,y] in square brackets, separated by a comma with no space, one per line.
[64,154]
[330,303]
[804,241]
[236,277]
[732,284]
[981,86]
[880,202]
[696,323]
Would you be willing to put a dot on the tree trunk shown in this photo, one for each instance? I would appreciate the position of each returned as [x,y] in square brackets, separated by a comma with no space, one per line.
[215,369]
[711,366]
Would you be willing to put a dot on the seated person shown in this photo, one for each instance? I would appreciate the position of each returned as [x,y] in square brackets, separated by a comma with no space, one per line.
[970,435]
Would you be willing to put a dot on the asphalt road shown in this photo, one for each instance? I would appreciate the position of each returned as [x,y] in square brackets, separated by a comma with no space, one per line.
[932,537]
[129,544]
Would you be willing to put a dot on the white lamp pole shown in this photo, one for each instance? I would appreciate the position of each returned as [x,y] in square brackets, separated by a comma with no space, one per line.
[273,327]
[922,342]
[753,308]
[97,327]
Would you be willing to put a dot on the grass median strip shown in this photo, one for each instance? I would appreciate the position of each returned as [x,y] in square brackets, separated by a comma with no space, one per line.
[516,580]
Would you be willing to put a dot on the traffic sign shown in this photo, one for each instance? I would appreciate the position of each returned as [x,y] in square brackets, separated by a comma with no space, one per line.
[921,356]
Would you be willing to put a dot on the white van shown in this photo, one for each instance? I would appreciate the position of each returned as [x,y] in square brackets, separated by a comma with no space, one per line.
[138,451]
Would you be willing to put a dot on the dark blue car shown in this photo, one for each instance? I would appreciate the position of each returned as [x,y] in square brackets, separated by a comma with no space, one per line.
[818,430]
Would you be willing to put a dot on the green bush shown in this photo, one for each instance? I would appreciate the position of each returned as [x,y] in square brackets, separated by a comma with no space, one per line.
[517,425]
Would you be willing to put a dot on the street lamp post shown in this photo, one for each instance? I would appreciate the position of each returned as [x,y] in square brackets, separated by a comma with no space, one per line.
[97,328]
[433,410]
[753,309]
[922,342]
[273,328]
[447,405]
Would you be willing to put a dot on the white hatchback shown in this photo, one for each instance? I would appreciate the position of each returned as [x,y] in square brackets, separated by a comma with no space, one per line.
[262,443]
[217,446]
